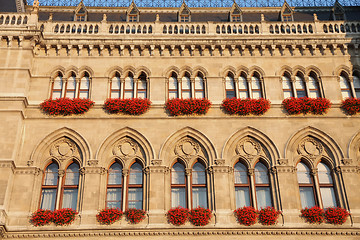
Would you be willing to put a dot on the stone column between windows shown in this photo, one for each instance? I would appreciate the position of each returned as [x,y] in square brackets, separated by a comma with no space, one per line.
[338,190]
[180,87]
[314,173]
[236,80]
[306,81]
[125,173]
[136,81]
[58,193]
[188,172]
[293,86]
[122,87]
[192,93]
[77,87]
[249,85]
[251,173]
[352,88]
[262,86]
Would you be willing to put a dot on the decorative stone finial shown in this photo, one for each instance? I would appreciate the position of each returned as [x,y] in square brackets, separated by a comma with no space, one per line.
[262,17]
[36,5]
[50,17]
[157,18]
[104,18]
[315,17]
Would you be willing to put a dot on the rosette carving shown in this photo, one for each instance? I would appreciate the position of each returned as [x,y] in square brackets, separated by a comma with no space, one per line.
[309,146]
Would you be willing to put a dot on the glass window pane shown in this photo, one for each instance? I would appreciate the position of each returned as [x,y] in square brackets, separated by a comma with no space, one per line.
[200,94]
[199,83]
[115,94]
[56,94]
[263,197]
[303,173]
[136,174]
[324,174]
[116,84]
[243,94]
[72,175]
[85,83]
[141,84]
[135,198]
[115,174]
[288,94]
[241,174]
[113,198]
[70,198]
[261,174]
[256,94]
[178,174]
[173,84]
[186,84]
[48,198]
[307,197]
[129,83]
[299,83]
[255,83]
[178,197]
[328,197]
[229,83]
[198,174]
[242,197]
[230,94]
[199,197]
[84,94]
[71,84]
[345,94]
[243,83]
[58,83]
[344,82]
[51,175]
[186,94]
[129,94]
[286,83]
[356,82]
[141,94]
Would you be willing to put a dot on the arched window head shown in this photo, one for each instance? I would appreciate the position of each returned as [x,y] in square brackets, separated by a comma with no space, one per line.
[71,86]
[50,187]
[287,86]
[199,86]
[306,186]
[356,81]
[81,13]
[129,86]
[115,86]
[326,186]
[256,87]
[243,87]
[242,186]
[135,186]
[198,186]
[186,86]
[262,186]
[345,87]
[230,86]
[300,86]
[313,86]
[142,86]
[84,86]
[178,186]
[173,86]
[57,86]
[114,186]
[71,187]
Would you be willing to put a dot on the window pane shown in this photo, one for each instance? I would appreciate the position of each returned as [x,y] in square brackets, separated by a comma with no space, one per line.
[58,83]
[263,197]
[288,94]
[173,95]
[199,197]
[303,173]
[286,83]
[84,94]
[141,84]
[313,88]
[135,198]
[243,94]
[113,198]
[135,176]
[242,83]
[115,174]
[198,174]
[85,83]
[199,94]
[186,94]
[229,83]
[56,94]
[178,174]
[356,82]
[255,83]
[71,84]
[230,94]
[51,175]
[141,94]
[344,83]
[299,83]
[261,174]
[173,83]
[307,197]
[242,197]
[178,197]
[186,84]
[72,175]
[199,83]
[70,198]
[241,174]
[129,94]
[328,197]
[324,174]
[256,94]
[48,197]
[115,94]
[129,83]
[116,84]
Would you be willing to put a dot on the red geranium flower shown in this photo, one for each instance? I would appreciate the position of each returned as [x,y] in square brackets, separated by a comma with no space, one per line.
[246,106]
[306,105]
[134,215]
[109,216]
[336,215]
[41,217]
[177,216]
[246,215]
[66,106]
[351,106]
[200,216]
[178,106]
[268,216]
[313,214]
[131,106]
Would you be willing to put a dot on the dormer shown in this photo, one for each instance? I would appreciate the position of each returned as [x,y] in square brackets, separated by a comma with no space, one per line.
[286,13]
[235,13]
[81,12]
[338,11]
[132,13]
[184,14]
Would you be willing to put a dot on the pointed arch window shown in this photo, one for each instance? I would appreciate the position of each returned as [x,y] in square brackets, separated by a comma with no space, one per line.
[114,186]
[84,86]
[313,87]
[243,87]
[300,86]
[115,86]
[326,186]
[242,185]
[57,87]
[178,186]
[199,86]
[71,87]
[129,86]
[198,186]
[173,86]
[50,187]
[256,87]
[230,86]
[345,87]
[141,86]
[287,87]
[135,187]
[70,188]
[262,186]
[186,86]
[356,80]
[306,186]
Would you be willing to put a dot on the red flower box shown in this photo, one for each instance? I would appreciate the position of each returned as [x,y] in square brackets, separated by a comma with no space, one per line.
[351,106]
[306,105]
[313,214]
[246,215]
[177,216]
[64,216]
[131,106]
[134,215]
[336,215]
[66,106]
[200,216]
[178,106]
[268,216]
[246,106]
[109,216]
[41,217]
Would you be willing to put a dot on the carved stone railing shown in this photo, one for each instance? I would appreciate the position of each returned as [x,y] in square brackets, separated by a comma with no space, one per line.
[13,19]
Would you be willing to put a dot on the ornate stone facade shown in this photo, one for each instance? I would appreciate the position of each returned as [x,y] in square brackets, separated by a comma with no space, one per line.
[152,46]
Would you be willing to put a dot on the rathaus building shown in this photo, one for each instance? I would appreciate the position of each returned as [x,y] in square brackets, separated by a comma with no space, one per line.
[163,50]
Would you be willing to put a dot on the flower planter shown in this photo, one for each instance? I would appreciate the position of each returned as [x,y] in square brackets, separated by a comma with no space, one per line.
[246,216]
[134,215]
[246,106]
[64,216]
[177,216]
[351,106]
[41,217]
[306,105]
[336,215]
[200,216]
[190,106]
[66,106]
[109,216]
[268,216]
[130,106]
[313,214]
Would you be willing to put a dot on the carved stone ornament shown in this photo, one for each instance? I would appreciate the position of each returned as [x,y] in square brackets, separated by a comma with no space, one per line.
[283,161]
[156,162]
[311,147]
[63,149]
[248,147]
[347,161]
[187,147]
[126,147]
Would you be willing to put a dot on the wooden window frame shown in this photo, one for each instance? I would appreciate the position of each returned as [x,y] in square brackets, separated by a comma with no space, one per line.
[135,186]
[326,185]
[317,83]
[133,18]
[290,90]
[186,90]
[56,187]
[192,186]
[230,90]
[61,90]
[84,90]
[260,90]
[184,186]
[244,90]
[236,18]
[196,90]
[243,185]
[64,187]
[143,90]
[127,90]
[296,90]
[309,185]
[113,90]
[115,186]
[268,185]
[346,89]
[173,90]
[71,90]
[185,18]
